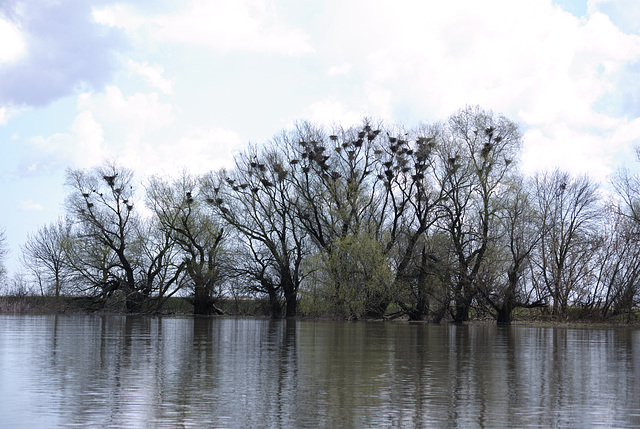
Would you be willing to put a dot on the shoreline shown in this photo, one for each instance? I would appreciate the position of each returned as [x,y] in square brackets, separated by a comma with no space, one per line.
[255,308]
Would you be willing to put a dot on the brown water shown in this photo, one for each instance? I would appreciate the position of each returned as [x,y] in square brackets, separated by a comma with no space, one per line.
[139,372]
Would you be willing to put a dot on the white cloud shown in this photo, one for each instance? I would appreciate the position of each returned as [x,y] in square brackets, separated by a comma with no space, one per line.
[118,15]
[340,70]
[127,118]
[569,150]
[628,132]
[139,132]
[581,151]
[624,13]
[226,25]
[200,150]
[529,59]
[88,140]
[330,111]
[13,45]
[81,147]
[405,61]
[106,125]
[53,49]
[153,74]
[29,206]
[4,115]
[8,112]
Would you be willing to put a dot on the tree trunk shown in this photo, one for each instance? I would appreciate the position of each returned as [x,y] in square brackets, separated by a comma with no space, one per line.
[421,308]
[274,304]
[504,315]
[203,303]
[292,303]
[461,313]
[439,314]
[134,301]
[462,304]
[509,300]
[378,310]
[134,298]
[290,293]
[419,312]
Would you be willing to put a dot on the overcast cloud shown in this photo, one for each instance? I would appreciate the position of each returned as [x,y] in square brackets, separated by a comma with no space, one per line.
[62,50]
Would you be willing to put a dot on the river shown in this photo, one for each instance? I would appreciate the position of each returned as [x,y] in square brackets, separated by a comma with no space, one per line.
[172,372]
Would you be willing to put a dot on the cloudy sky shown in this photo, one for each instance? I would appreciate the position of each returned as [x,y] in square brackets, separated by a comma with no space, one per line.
[169,84]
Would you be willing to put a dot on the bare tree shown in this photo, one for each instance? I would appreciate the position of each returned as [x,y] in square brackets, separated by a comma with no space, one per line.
[355,184]
[44,256]
[627,187]
[102,203]
[408,207]
[181,214]
[569,209]
[161,267]
[617,265]
[476,155]
[621,256]
[4,251]
[256,199]
[334,180]
[518,235]
[91,265]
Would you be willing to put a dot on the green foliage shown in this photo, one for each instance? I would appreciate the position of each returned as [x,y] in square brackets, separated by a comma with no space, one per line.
[353,280]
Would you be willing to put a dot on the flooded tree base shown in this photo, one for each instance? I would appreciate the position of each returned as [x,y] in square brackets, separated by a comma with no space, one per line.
[262,308]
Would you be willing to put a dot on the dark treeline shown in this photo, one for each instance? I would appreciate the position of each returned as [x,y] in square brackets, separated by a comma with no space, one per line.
[430,223]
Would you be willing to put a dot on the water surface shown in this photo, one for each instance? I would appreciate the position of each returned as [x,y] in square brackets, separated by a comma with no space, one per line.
[139,372]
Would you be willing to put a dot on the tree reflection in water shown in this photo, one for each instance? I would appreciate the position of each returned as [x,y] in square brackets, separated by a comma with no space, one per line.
[124,371]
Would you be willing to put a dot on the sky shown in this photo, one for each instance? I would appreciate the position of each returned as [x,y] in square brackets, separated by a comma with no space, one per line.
[170,85]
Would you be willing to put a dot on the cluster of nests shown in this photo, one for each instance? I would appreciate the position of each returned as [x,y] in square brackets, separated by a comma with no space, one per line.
[398,158]
[110,179]
[314,152]
[118,191]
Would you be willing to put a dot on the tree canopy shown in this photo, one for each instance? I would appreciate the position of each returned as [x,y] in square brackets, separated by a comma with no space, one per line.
[369,221]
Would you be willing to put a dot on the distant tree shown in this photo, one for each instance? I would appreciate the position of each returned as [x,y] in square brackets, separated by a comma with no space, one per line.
[182,214]
[356,275]
[19,286]
[4,251]
[476,154]
[160,263]
[44,257]
[256,199]
[569,212]
[627,186]
[101,202]
[409,202]
[617,265]
[337,193]
[518,233]
[620,265]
